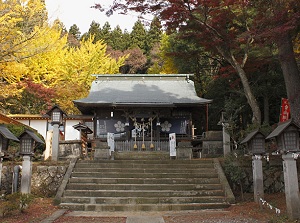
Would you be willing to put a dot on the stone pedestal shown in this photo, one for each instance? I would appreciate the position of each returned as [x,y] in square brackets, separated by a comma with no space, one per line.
[26,175]
[101,150]
[226,142]
[291,186]
[258,181]
[184,151]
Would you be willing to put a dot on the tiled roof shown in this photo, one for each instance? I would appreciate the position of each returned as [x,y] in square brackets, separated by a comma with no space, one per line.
[281,127]
[7,134]
[142,90]
[32,135]
[7,120]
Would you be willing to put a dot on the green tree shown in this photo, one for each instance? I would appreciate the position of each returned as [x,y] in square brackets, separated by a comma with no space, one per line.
[154,34]
[126,38]
[138,36]
[74,30]
[105,34]
[94,31]
[117,42]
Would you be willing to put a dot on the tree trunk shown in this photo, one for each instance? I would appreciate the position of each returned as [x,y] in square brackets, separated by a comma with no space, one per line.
[291,73]
[256,112]
[266,110]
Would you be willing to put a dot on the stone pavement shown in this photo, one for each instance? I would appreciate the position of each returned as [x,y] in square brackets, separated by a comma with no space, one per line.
[142,219]
[54,216]
[131,217]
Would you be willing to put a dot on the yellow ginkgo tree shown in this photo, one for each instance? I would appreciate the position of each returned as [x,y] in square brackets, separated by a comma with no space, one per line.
[35,58]
[77,67]
[21,23]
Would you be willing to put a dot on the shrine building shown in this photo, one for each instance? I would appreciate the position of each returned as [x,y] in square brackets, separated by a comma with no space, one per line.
[142,110]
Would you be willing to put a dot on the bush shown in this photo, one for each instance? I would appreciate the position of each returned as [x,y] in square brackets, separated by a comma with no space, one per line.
[234,172]
[14,202]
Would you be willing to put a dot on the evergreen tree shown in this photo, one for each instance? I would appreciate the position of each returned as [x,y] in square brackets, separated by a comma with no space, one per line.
[105,34]
[126,38]
[154,34]
[116,39]
[138,36]
[94,31]
[74,30]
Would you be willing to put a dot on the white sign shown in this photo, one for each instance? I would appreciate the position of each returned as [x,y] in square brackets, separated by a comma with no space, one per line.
[111,142]
[172,141]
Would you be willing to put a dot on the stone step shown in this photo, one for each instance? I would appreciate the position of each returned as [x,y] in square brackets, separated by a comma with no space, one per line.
[143,200]
[142,193]
[143,170]
[143,207]
[161,187]
[144,166]
[189,162]
[89,180]
[143,175]
[144,185]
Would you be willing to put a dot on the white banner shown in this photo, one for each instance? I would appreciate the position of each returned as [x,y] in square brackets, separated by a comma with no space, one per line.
[172,140]
[111,142]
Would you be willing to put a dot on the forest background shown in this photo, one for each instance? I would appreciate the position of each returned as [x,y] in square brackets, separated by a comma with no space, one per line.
[223,43]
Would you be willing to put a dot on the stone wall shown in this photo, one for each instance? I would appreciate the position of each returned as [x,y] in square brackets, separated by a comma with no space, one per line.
[47,179]
[69,149]
[7,179]
[212,144]
[44,182]
[272,175]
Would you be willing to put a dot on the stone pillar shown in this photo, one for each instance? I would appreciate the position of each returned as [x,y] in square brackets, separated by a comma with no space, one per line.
[0,169]
[26,175]
[55,142]
[101,150]
[226,141]
[258,181]
[291,186]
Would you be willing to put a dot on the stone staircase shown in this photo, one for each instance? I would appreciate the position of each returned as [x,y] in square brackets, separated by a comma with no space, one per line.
[146,185]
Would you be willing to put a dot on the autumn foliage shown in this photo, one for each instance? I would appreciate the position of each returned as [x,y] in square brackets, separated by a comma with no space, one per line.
[38,68]
[233,30]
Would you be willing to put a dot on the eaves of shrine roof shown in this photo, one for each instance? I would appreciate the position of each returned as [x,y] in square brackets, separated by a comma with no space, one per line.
[142,90]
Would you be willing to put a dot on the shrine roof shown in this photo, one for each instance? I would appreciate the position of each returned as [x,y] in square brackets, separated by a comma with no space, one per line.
[153,90]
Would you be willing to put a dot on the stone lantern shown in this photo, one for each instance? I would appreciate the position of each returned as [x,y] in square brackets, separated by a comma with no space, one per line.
[5,136]
[286,136]
[255,142]
[287,139]
[56,114]
[28,141]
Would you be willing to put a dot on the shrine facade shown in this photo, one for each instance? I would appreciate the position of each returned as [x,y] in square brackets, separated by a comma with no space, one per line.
[140,111]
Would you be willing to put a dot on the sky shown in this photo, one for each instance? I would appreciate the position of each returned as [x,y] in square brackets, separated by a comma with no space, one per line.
[79,12]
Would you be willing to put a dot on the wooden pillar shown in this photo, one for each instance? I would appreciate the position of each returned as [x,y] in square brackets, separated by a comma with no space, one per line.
[206,129]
